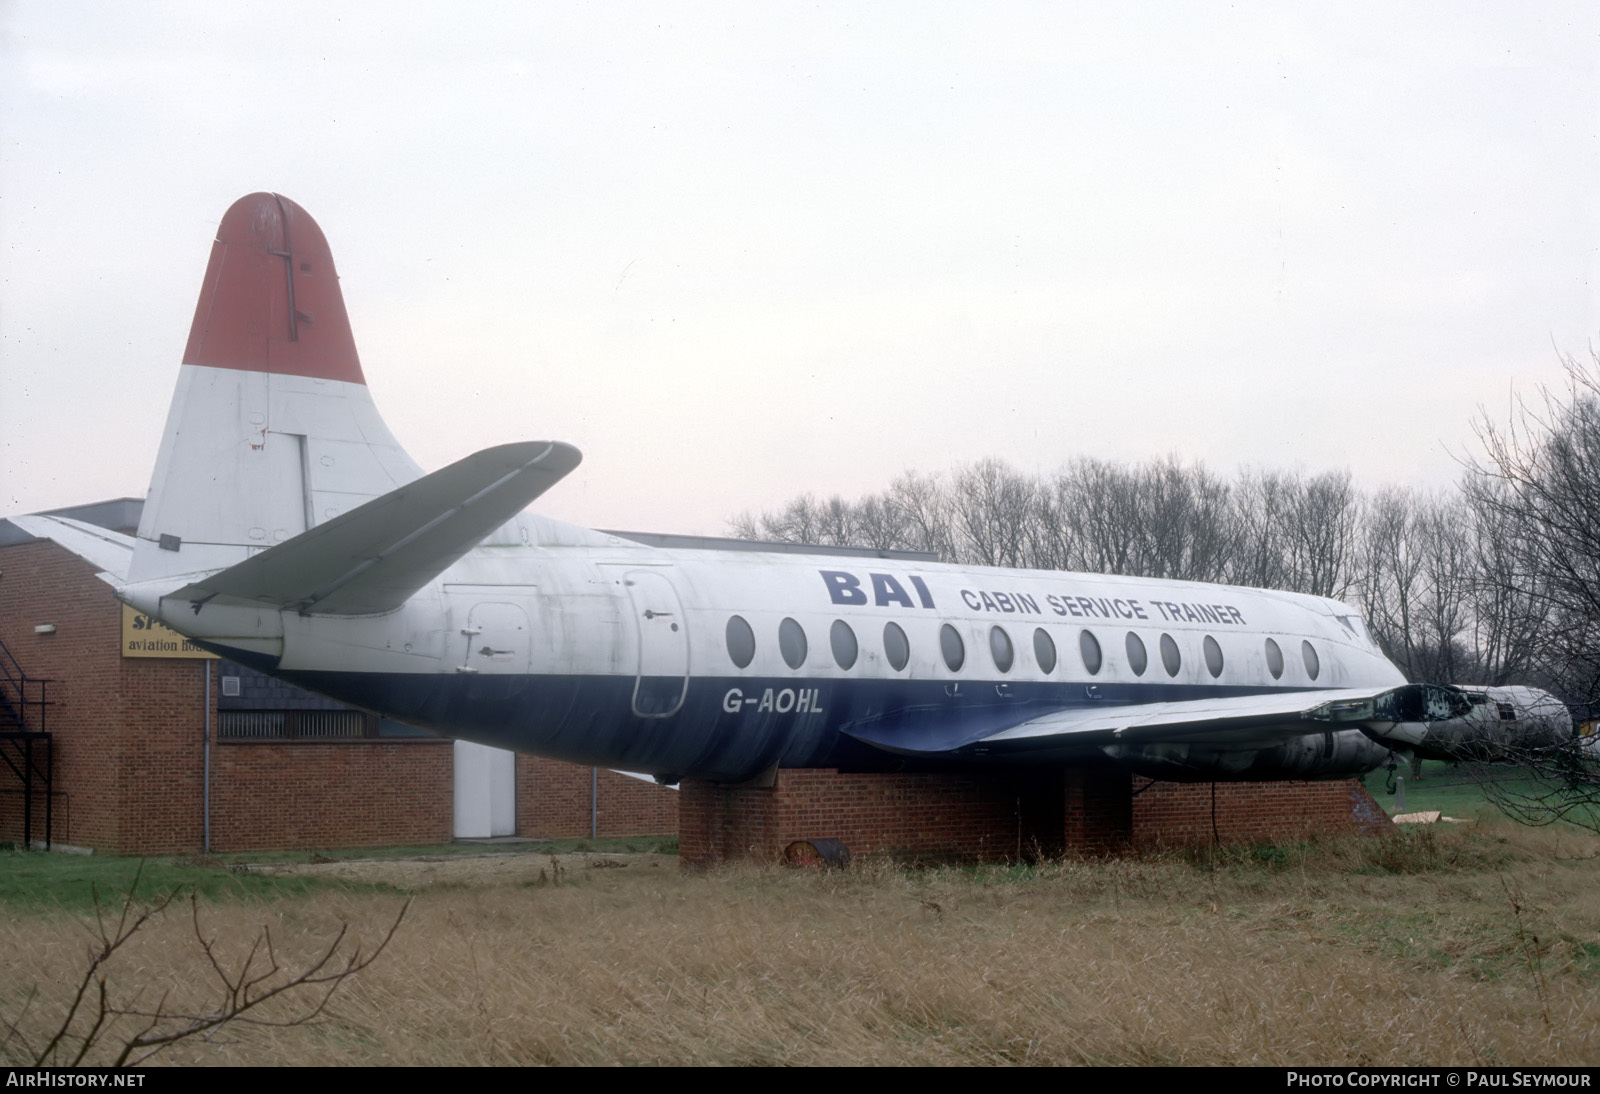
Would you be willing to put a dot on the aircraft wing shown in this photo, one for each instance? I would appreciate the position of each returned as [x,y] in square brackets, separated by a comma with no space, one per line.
[110,551]
[1290,709]
[1264,717]
[375,557]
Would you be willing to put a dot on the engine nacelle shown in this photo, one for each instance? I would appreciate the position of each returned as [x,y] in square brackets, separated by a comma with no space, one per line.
[1331,754]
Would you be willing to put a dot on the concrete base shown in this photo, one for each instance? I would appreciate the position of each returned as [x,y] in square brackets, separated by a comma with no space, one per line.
[1091,810]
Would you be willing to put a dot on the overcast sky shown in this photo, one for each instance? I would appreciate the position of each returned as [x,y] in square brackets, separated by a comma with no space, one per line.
[738,252]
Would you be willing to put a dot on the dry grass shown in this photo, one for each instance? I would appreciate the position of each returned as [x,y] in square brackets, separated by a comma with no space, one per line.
[1433,947]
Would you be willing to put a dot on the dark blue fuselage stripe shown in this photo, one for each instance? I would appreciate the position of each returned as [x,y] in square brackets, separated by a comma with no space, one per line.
[726,728]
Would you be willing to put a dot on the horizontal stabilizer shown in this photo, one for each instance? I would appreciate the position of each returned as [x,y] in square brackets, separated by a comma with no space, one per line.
[110,551]
[375,557]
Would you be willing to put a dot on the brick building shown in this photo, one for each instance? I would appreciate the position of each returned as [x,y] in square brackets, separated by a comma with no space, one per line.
[156,749]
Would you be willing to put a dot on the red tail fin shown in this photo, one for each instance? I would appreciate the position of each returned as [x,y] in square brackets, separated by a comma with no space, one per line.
[271,299]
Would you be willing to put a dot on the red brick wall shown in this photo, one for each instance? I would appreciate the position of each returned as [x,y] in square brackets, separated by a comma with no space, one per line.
[553,802]
[1170,814]
[943,816]
[301,795]
[1089,810]
[127,732]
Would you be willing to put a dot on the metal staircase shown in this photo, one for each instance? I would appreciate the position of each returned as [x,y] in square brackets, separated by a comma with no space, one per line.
[25,747]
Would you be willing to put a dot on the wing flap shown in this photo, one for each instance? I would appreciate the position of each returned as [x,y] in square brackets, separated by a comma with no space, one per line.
[1228,714]
[375,557]
[1263,717]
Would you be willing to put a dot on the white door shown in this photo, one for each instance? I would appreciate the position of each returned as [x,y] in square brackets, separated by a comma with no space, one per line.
[485,791]
[663,676]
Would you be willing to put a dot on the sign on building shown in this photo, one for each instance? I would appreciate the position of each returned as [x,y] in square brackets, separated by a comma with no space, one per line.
[143,636]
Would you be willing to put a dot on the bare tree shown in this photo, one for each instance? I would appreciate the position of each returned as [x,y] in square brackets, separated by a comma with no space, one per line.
[1511,612]
[1324,513]
[992,504]
[97,1027]
[1543,785]
[1540,473]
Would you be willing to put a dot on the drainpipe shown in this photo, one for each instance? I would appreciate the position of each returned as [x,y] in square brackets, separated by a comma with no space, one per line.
[594,803]
[205,667]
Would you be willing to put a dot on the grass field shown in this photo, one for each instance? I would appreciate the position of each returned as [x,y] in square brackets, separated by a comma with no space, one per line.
[1474,944]
[1455,791]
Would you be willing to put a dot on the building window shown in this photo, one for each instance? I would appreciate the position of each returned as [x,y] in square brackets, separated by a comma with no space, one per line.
[296,725]
[741,642]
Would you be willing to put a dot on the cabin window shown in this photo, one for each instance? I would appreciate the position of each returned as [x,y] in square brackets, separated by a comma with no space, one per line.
[792,643]
[955,653]
[843,641]
[1171,659]
[1508,713]
[1274,659]
[1089,648]
[1044,650]
[1000,649]
[741,642]
[1213,656]
[1138,658]
[895,646]
[1309,656]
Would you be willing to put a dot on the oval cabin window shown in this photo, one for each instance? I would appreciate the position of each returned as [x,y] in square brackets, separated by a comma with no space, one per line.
[1171,659]
[1274,659]
[792,643]
[1044,651]
[950,644]
[843,641]
[1138,658]
[1309,656]
[741,642]
[1089,647]
[1213,656]
[895,646]
[1000,649]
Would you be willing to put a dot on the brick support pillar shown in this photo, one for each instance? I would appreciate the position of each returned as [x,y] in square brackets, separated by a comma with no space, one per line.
[1097,809]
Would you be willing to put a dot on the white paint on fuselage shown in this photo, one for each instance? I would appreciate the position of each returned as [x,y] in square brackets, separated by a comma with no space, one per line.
[580,621]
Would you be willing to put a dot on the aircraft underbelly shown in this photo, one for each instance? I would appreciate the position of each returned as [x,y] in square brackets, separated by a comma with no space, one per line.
[727,728]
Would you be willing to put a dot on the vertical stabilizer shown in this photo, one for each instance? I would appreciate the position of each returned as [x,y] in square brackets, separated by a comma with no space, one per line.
[272,430]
